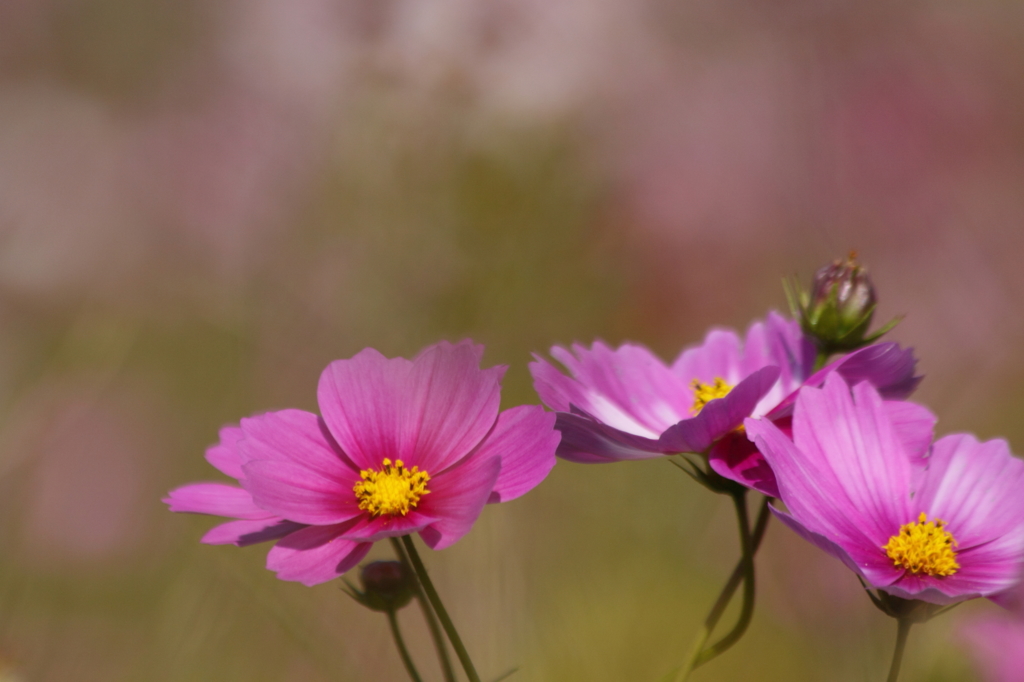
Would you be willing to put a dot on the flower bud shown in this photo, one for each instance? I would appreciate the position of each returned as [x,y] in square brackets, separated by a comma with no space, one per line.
[837,311]
[387,586]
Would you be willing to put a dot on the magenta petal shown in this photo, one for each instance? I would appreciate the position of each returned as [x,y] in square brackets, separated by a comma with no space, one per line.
[788,348]
[718,357]
[373,528]
[524,439]
[853,437]
[429,412]
[298,494]
[315,555]
[736,458]
[975,487]
[294,436]
[588,441]
[217,499]
[886,366]
[720,416]
[225,455]
[628,388]
[810,490]
[458,496]
[245,533]
[914,425]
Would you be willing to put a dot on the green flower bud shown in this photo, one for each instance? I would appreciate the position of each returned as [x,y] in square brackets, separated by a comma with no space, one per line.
[387,586]
[837,311]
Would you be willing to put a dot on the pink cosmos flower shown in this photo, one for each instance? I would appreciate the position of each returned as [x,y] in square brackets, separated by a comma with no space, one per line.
[938,524]
[401,447]
[627,404]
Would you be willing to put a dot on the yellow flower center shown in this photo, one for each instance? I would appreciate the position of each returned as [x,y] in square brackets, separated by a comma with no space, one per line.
[705,393]
[923,547]
[394,490]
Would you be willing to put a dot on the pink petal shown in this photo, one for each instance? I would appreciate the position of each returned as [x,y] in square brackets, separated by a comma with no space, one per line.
[588,441]
[809,488]
[297,437]
[736,458]
[628,388]
[718,357]
[217,499]
[429,412]
[776,342]
[886,366]
[245,533]
[852,437]
[976,488]
[373,528]
[315,555]
[225,455]
[294,468]
[295,492]
[719,416]
[788,348]
[914,425]
[458,497]
[524,439]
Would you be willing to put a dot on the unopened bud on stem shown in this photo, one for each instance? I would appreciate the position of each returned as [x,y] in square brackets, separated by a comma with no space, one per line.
[387,586]
[837,311]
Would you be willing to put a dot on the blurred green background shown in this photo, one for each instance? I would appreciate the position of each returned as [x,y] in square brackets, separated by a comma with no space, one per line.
[203,203]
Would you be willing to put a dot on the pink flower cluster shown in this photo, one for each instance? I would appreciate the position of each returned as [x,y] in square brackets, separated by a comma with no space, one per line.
[852,463]
[420,446]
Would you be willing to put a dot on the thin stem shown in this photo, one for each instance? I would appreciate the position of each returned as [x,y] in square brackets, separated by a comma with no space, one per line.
[820,359]
[428,615]
[763,516]
[410,667]
[902,630]
[747,610]
[435,601]
[749,545]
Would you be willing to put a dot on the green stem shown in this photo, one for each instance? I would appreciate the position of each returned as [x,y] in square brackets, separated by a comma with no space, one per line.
[747,610]
[902,631]
[428,615]
[763,516]
[435,601]
[726,595]
[820,359]
[402,651]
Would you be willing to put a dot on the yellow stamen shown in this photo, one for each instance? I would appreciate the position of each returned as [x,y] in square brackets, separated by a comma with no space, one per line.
[923,547]
[394,490]
[705,393]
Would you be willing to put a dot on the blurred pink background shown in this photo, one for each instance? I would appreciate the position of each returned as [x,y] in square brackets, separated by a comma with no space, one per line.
[203,203]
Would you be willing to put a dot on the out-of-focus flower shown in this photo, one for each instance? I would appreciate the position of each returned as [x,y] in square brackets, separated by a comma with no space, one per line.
[402,447]
[627,404]
[936,525]
[997,645]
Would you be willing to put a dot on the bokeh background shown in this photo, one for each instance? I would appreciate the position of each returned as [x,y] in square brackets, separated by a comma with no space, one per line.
[202,202]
